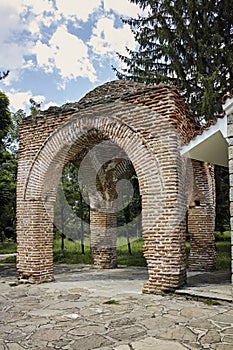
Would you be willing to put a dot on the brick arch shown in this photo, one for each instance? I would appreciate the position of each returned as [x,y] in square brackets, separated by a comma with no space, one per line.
[56,150]
[150,140]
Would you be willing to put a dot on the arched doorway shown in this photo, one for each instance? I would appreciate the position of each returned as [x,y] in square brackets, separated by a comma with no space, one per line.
[122,129]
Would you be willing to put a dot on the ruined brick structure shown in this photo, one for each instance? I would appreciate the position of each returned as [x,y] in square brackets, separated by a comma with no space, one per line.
[201,218]
[144,127]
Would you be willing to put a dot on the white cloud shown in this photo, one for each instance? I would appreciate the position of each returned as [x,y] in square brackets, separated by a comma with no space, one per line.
[42,12]
[67,53]
[25,14]
[24,39]
[49,104]
[71,56]
[18,100]
[21,100]
[40,6]
[10,20]
[107,39]
[122,7]
[12,55]
[39,99]
[12,50]
[11,78]
[34,27]
[45,56]
[77,9]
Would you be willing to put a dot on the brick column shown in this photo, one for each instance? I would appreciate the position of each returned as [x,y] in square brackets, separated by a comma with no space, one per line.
[228,107]
[201,218]
[35,242]
[103,239]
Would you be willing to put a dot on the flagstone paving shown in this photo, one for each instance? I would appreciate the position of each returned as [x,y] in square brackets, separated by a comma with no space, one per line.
[87,309]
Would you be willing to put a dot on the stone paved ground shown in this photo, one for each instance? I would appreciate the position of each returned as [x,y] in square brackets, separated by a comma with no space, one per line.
[88,309]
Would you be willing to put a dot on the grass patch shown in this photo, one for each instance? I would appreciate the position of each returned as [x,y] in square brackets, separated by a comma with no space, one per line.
[136,259]
[73,253]
[8,247]
[210,302]
[10,260]
[111,302]
[222,236]
[223,260]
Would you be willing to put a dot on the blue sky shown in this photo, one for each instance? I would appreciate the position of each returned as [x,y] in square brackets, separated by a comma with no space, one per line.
[58,50]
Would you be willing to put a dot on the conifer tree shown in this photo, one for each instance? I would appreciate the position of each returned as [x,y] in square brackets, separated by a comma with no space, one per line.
[7,174]
[187,43]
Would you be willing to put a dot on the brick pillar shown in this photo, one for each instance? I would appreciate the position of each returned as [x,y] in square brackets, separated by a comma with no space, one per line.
[164,241]
[103,239]
[228,107]
[35,242]
[201,218]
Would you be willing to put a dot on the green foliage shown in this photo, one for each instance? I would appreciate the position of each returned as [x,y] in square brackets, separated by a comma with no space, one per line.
[5,118]
[71,211]
[35,106]
[187,43]
[222,236]
[222,199]
[131,211]
[74,190]
[12,138]
[8,165]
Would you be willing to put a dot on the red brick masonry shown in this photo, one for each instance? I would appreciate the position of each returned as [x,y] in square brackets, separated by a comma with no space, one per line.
[145,124]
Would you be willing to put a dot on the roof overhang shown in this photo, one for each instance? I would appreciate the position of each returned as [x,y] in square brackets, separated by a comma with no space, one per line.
[211,146]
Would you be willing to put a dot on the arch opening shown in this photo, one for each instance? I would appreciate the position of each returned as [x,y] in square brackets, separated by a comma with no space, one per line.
[107,186]
[156,161]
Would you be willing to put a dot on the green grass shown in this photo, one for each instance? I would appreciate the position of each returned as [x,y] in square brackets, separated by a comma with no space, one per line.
[111,302]
[136,259]
[223,260]
[210,302]
[222,236]
[10,260]
[72,253]
[8,247]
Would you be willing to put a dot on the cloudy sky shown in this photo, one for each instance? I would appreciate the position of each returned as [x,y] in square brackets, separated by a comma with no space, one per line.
[58,50]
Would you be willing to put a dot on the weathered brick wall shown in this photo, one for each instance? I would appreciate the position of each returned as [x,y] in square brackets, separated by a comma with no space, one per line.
[149,124]
[201,218]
